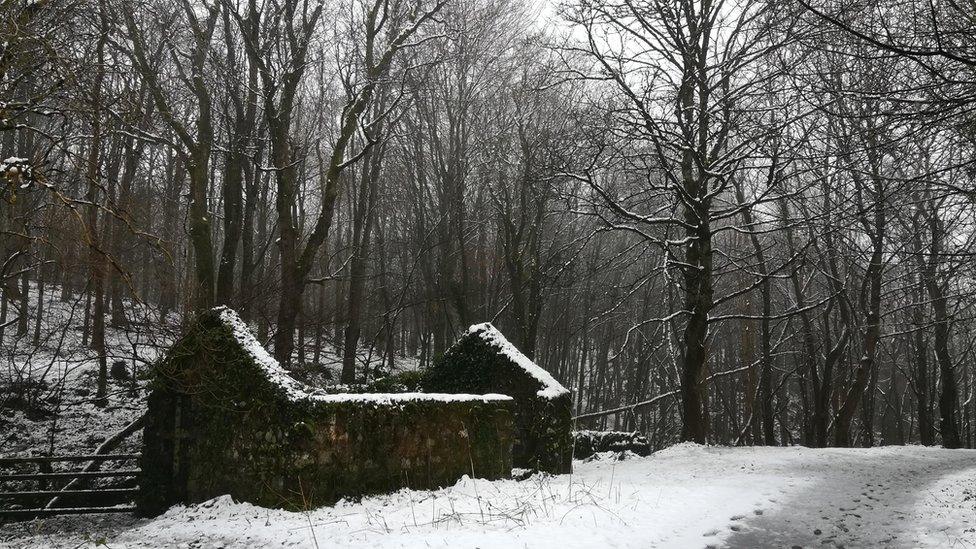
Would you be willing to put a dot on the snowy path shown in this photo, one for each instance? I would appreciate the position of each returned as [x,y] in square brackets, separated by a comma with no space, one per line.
[921,499]
[684,497]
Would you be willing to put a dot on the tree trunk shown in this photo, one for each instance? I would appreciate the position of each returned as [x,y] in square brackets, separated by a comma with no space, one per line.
[362,229]
[949,395]
[872,334]
[698,302]
[97,261]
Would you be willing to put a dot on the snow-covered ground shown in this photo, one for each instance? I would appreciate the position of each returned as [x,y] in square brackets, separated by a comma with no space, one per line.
[685,496]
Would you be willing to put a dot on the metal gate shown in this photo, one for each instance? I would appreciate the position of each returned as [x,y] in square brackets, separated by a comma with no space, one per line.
[49,485]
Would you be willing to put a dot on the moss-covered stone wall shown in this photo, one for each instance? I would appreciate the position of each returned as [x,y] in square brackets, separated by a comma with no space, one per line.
[587,443]
[482,361]
[220,423]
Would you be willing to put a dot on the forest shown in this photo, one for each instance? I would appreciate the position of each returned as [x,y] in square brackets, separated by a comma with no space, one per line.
[738,222]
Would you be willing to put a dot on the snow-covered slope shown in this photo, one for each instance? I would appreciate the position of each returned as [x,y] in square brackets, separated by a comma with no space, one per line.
[686,496]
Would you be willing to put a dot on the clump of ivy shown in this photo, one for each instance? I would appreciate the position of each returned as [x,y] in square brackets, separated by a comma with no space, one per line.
[16,174]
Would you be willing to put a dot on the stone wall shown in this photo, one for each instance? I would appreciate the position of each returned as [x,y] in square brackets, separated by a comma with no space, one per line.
[483,361]
[225,418]
[587,443]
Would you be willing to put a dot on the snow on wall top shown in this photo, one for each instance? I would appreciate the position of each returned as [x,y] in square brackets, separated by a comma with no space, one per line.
[296,390]
[490,335]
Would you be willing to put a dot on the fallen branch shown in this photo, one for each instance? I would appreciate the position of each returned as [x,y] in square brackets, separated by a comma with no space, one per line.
[635,406]
[625,408]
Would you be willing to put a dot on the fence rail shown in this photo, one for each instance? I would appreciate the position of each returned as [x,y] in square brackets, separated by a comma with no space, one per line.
[6,462]
[72,474]
[43,512]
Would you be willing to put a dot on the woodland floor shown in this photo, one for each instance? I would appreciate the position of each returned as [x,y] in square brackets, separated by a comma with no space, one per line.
[685,496]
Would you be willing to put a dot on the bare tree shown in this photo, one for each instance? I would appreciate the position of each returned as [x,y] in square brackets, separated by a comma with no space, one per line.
[685,73]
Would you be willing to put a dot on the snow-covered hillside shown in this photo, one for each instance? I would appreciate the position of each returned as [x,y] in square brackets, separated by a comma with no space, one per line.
[47,386]
[685,496]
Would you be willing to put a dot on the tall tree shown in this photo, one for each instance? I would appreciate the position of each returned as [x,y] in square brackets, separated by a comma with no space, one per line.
[685,73]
